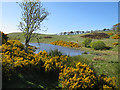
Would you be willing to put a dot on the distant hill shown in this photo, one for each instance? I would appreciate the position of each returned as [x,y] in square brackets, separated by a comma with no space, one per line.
[47,37]
[19,36]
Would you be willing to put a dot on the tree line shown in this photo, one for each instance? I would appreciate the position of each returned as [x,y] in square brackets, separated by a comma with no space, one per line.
[80,32]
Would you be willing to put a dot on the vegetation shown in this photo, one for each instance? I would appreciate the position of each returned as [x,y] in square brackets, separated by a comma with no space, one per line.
[96,36]
[98,60]
[23,68]
[82,77]
[68,44]
[4,37]
[87,42]
[110,33]
[116,36]
[116,28]
[98,45]
[16,63]
[115,43]
[55,53]
[48,37]
[33,14]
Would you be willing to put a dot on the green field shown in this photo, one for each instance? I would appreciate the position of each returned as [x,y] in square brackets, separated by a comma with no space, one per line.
[107,62]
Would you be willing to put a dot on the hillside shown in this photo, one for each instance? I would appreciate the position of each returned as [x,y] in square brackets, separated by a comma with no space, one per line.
[103,61]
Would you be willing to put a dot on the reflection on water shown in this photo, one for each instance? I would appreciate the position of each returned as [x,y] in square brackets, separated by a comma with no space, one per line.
[64,50]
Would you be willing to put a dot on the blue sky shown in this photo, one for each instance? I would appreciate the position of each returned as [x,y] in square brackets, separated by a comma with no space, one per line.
[65,16]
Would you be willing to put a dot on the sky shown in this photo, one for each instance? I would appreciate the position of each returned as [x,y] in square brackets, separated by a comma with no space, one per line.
[65,16]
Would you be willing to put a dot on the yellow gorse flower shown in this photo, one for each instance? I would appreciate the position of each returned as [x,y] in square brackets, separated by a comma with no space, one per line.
[82,77]
[66,44]
[15,58]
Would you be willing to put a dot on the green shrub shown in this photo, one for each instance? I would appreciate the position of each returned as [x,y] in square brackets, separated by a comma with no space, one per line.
[55,53]
[98,45]
[85,52]
[87,42]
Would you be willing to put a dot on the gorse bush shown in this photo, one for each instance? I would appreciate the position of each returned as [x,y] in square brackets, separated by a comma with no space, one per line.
[87,42]
[15,43]
[82,77]
[67,44]
[105,82]
[115,43]
[15,60]
[55,64]
[116,36]
[52,63]
[77,78]
[98,45]
[14,56]
[110,33]
[55,53]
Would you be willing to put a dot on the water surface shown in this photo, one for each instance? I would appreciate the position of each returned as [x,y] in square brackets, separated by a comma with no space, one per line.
[64,50]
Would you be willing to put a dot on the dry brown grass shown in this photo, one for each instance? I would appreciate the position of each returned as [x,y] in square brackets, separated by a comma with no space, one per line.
[98,58]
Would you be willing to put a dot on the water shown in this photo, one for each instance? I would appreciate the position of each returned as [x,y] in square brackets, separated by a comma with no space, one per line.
[64,50]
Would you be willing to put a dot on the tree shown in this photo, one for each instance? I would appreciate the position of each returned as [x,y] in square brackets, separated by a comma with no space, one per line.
[33,14]
[83,32]
[71,32]
[104,29]
[77,32]
[65,33]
